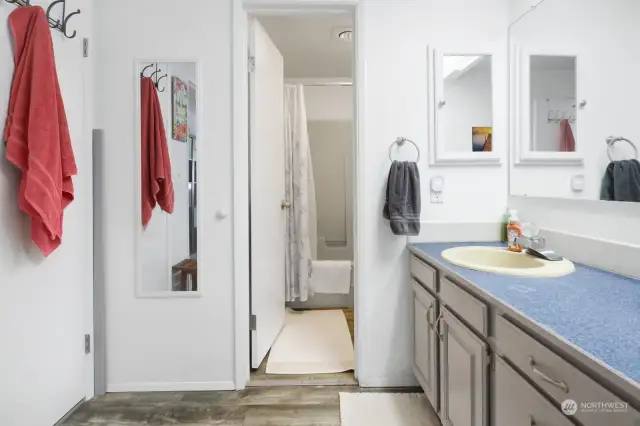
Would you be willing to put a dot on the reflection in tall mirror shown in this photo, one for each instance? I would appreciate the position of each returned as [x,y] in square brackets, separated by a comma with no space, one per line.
[466,113]
[553,103]
[167,239]
[574,85]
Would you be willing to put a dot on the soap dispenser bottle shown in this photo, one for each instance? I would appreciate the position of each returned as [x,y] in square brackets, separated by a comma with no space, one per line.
[513,232]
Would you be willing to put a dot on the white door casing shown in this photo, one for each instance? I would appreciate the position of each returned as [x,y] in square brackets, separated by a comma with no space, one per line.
[267,156]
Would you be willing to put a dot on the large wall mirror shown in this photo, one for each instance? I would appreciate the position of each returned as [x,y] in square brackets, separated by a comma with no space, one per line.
[574,69]
[462,109]
[168,137]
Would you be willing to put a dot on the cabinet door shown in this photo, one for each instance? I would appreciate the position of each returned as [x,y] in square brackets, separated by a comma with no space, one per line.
[463,373]
[516,403]
[425,352]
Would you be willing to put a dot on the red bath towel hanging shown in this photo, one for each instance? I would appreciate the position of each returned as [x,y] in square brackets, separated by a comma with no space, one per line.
[157,183]
[36,131]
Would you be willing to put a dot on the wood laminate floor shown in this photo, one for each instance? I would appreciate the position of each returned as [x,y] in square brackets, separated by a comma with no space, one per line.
[281,406]
[260,377]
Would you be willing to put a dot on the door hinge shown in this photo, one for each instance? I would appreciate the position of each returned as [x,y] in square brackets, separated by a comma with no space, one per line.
[85,47]
[87,343]
[252,63]
[253,322]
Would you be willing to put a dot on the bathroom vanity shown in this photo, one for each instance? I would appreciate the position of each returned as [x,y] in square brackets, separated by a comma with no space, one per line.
[515,351]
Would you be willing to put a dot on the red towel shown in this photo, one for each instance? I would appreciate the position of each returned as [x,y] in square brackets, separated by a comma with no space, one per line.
[157,184]
[36,131]
[567,141]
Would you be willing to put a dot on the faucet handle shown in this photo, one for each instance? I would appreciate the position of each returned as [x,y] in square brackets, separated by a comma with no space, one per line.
[538,240]
[529,230]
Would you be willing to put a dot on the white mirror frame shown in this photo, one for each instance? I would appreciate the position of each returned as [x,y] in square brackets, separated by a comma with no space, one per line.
[520,113]
[139,291]
[438,154]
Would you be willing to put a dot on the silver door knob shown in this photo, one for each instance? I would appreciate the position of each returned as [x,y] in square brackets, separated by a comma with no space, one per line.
[285,204]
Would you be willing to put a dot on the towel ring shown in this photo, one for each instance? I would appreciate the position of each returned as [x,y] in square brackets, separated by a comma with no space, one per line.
[400,140]
[611,140]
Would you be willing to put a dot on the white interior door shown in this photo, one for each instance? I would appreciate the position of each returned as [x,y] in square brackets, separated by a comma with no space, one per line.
[267,193]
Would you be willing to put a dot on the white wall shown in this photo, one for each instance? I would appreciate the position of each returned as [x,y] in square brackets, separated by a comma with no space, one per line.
[45,304]
[177,343]
[469,104]
[329,103]
[566,27]
[395,38]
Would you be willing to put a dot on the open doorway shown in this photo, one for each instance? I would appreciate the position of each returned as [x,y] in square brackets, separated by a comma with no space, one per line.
[302,144]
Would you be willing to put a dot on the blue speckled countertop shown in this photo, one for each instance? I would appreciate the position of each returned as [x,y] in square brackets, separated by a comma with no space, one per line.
[596,310]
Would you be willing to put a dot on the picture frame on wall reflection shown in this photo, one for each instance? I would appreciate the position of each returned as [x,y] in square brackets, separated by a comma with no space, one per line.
[482,139]
[179,110]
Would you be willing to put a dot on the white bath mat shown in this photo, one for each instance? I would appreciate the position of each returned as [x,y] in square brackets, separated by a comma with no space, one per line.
[312,342]
[385,409]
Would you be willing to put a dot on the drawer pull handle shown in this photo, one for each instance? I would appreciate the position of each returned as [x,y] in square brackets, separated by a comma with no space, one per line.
[429,310]
[544,377]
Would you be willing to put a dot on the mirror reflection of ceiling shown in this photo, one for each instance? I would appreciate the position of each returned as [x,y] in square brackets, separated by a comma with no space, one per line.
[454,66]
[309,43]
[553,63]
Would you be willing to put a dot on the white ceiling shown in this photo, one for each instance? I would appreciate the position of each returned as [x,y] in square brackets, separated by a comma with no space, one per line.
[309,45]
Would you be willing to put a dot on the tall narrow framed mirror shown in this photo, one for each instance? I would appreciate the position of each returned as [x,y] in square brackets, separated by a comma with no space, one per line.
[462,109]
[167,190]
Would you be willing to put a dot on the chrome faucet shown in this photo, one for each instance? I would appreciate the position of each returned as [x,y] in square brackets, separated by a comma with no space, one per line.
[535,247]
[536,242]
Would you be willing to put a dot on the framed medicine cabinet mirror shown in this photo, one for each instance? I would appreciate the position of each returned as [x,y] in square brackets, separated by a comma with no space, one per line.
[461,109]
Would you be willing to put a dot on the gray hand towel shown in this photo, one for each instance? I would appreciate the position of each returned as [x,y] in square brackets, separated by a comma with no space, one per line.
[402,206]
[621,181]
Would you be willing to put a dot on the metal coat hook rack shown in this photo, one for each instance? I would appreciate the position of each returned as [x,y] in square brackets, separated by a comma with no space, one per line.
[58,24]
[154,76]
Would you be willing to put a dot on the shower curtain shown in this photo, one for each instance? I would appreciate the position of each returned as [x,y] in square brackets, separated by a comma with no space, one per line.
[302,229]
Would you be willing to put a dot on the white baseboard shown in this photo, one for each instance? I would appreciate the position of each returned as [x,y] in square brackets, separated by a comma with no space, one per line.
[389,382]
[612,256]
[170,386]
[440,232]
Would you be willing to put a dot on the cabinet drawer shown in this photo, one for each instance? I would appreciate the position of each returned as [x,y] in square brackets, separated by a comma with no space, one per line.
[472,310]
[517,403]
[423,273]
[558,378]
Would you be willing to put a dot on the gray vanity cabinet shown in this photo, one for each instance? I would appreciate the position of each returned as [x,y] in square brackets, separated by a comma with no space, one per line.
[425,350]
[457,330]
[516,403]
[463,373]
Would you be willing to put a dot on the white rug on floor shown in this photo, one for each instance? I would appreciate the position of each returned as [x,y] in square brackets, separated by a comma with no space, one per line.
[385,409]
[312,342]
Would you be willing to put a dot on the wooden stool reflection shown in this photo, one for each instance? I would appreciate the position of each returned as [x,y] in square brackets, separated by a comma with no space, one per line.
[187,268]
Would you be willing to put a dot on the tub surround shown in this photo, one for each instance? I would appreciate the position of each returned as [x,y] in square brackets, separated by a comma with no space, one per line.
[590,317]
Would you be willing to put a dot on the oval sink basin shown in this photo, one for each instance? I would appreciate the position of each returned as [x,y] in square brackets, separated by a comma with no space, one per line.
[502,261]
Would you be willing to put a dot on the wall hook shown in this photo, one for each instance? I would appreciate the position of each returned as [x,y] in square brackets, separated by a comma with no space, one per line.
[61,24]
[156,82]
